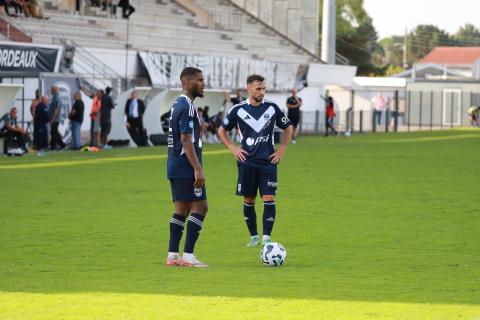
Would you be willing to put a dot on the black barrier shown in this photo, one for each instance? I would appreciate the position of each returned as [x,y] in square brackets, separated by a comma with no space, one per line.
[28,59]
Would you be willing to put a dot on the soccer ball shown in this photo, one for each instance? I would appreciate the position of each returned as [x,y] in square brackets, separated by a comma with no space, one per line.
[273,254]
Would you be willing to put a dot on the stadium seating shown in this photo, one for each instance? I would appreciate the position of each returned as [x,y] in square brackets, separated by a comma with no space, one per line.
[165,26]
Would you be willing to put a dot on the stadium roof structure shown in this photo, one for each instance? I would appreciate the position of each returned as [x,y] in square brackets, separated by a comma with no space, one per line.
[452,56]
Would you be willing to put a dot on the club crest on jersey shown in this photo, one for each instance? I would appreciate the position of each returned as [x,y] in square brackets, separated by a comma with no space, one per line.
[198,192]
[266,116]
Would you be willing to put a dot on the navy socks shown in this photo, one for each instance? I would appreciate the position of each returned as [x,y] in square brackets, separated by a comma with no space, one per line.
[194,226]
[177,224]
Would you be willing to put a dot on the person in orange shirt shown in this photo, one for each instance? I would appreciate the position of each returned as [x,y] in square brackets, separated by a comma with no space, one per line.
[95,119]
[330,117]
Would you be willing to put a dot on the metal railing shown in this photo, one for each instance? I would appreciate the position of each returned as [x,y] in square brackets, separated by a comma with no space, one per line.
[90,67]
[225,20]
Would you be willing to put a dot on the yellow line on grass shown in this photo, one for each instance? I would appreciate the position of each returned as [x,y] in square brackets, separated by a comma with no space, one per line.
[70,163]
[457,137]
[106,305]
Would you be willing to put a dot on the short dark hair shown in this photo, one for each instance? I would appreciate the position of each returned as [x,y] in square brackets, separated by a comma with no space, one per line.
[189,72]
[255,77]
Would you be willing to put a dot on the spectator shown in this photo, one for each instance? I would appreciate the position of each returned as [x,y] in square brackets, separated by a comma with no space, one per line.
[76,119]
[127,8]
[54,113]
[330,117]
[95,119]
[15,137]
[378,106]
[206,122]
[293,104]
[165,120]
[33,107]
[34,9]
[40,130]
[237,98]
[215,123]
[134,110]
[3,5]
[109,4]
[202,125]
[473,112]
[16,4]
[106,117]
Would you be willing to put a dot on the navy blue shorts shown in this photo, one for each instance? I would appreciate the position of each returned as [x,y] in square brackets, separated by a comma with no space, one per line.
[183,190]
[251,179]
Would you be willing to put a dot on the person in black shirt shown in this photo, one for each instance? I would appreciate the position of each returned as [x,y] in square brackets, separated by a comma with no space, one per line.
[76,119]
[15,136]
[237,98]
[106,116]
[40,131]
[127,8]
[293,104]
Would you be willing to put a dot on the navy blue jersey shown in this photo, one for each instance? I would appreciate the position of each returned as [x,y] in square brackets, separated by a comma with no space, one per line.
[183,120]
[256,126]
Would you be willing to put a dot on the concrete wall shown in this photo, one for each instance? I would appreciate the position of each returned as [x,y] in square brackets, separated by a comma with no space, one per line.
[296,19]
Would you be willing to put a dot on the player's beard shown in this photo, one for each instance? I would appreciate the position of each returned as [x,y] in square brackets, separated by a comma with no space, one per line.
[258,98]
[199,92]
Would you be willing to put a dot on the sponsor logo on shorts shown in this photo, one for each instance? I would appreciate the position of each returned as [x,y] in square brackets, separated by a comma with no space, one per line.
[271,219]
[284,119]
[225,121]
[272,184]
[239,187]
[190,124]
[198,192]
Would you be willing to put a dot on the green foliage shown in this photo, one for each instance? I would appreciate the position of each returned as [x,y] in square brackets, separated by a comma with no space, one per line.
[422,40]
[376,227]
[393,70]
[468,35]
[356,36]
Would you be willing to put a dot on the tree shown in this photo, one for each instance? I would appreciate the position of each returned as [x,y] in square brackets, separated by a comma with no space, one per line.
[468,35]
[423,39]
[356,35]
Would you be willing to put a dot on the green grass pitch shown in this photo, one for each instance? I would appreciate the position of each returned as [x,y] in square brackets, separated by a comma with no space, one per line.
[380,226]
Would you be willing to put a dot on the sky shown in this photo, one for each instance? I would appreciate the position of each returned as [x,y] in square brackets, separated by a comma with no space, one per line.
[391,17]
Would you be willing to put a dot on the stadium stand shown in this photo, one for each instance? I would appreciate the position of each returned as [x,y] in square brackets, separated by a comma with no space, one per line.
[167,26]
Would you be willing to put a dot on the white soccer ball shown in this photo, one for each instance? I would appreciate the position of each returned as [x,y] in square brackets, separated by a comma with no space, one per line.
[273,254]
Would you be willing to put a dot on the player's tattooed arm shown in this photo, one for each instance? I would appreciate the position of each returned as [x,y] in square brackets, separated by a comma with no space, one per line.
[280,152]
[238,152]
[192,158]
